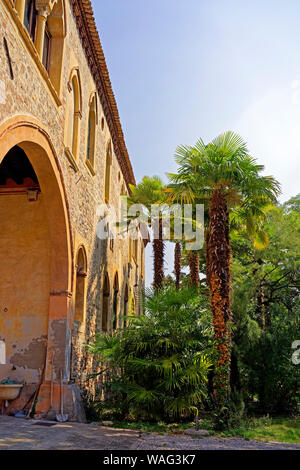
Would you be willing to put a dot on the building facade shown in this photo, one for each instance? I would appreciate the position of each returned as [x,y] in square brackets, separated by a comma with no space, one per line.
[62,157]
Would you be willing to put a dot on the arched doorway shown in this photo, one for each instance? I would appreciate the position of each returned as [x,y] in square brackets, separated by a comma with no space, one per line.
[25,279]
[105,303]
[81,274]
[78,333]
[35,245]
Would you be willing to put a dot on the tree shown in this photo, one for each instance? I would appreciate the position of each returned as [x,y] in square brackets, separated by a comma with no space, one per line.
[266,326]
[177,264]
[158,365]
[148,192]
[223,173]
[194,268]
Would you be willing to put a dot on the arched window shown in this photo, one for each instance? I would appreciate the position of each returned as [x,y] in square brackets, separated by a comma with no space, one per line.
[115,302]
[105,303]
[123,190]
[107,173]
[81,274]
[55,33]
[142,258]
[92,132]
[47,29]
[74,114]
[47,48]
[130,243]
[135,250]
[125,306]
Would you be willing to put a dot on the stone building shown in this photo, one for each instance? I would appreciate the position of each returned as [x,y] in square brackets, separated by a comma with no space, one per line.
[62,155]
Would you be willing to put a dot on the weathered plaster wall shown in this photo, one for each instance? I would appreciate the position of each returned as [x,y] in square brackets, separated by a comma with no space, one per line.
[24,287]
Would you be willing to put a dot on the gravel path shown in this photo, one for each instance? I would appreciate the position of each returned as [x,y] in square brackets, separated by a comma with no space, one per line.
[20,434]
[166,442]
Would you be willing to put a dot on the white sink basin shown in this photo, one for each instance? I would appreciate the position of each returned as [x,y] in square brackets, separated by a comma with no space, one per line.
[10,392]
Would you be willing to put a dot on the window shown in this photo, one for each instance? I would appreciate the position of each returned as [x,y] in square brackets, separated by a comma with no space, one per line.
[56,26]
[47,48]
[91,134]
[81,274]
[135,250]
[74,113]
[75,134]
[30,16]
[45,22]
[115,302]
[142,258]
[126,298]
[105,303]
[107,173]
[130,247]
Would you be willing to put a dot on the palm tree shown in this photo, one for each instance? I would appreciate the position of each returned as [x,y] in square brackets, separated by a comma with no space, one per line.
[177,264]
[224,174]
[148,192]
[194,268]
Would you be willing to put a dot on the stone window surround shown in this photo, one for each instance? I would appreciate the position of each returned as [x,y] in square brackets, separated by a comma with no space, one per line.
[80,278]
[74,87]
[44,7]
[92,107]
[82,10]
[108,164]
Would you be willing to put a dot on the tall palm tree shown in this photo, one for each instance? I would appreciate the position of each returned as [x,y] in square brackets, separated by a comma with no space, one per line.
[148,192]
[194,268]
[223,173]
[177,264]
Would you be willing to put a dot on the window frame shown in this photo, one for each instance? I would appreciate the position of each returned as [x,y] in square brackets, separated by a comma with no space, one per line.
[48,36]
[30,18]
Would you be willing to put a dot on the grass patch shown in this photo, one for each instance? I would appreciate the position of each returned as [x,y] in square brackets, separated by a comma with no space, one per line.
[160,427]
[267,429]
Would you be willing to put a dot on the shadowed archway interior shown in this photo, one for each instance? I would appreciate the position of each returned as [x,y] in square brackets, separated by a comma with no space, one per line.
[25,267]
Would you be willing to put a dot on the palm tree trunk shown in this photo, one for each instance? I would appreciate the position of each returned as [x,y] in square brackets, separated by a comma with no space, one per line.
[158,254]
[194,268]
[177,264]
[218,258]
[207,262]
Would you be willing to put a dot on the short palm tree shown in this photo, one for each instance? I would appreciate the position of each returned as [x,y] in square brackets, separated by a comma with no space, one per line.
[148,192]
[225,175]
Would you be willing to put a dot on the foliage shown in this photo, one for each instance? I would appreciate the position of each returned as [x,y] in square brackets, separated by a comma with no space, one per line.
[223,173]
[159,364]
[266,310]
[148,192]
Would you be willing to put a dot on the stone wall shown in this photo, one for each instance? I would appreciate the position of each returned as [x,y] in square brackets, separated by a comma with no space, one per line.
[28,93]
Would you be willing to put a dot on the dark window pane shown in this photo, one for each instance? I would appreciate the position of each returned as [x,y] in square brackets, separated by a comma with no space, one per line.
[46,50]
[30,17]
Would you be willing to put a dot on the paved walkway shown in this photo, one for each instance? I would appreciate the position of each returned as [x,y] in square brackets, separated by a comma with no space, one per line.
[19,434]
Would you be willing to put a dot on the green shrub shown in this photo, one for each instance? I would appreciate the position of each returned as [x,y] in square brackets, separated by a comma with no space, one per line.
[158,365]
[267,370]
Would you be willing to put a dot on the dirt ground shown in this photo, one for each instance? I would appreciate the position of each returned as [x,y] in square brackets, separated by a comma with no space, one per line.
[19,434]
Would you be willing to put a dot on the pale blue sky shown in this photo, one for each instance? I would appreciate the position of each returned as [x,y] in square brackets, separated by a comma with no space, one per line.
[184,69]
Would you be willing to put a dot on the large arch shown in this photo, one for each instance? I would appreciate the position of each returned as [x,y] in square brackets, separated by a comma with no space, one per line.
[26,133]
